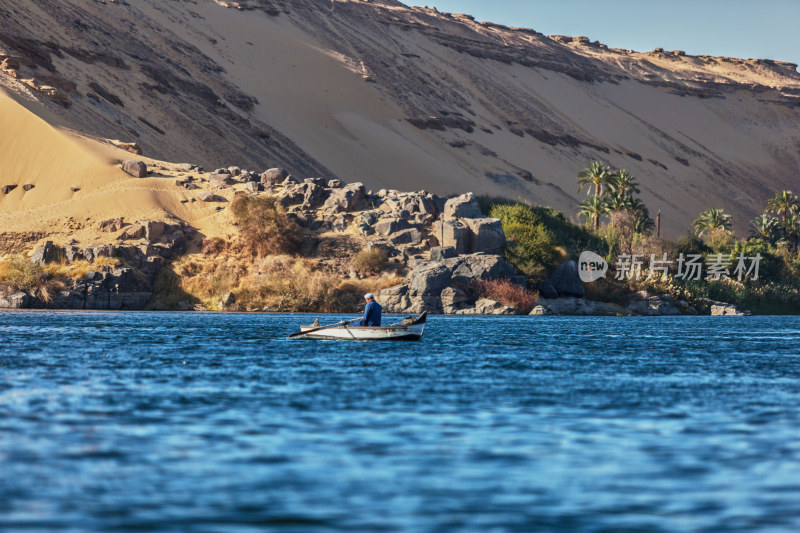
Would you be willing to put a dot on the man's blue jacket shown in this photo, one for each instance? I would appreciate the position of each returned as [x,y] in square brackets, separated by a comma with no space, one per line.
[372,315]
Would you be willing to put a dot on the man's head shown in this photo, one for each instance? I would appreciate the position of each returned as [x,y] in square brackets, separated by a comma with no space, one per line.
[369,297]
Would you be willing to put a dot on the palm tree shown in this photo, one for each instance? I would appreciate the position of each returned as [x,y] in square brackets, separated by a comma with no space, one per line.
[623,183]
[764,227]
[792,228]
[594,208]
[596,175]
[710,220]
[617,203]
[782,204]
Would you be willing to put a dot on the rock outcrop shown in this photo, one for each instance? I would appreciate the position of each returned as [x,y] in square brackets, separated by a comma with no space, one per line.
[444,286]
[723,309]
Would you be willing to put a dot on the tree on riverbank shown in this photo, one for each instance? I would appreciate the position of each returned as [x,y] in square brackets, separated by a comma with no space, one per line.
[710,220]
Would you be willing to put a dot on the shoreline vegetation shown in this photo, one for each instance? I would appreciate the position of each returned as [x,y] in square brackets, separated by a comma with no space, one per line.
[318,245]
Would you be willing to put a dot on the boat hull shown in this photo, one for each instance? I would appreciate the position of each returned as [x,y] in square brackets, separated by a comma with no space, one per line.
[410,329]
[388,333]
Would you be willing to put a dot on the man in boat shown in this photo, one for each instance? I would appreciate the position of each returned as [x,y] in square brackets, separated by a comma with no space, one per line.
[372,312]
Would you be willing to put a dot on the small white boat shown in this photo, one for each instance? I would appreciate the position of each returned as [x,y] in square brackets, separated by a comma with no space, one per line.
[410,329]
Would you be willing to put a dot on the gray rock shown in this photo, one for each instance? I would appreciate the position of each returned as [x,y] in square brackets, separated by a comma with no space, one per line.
[486,235]
[28,186]
[313,196]
[273,176]
[484,306]
[579,306]
[47,252]
[469,268]
[464,206]
[352,197]
[453,300]
[15,300]
[567,281]
[430,278]
[8,188]
[252,186]
[440,253]
[335,184]
[394,299]
[452,234]
[728,310]
[645,304]
[235,171]
[411,236]
[540,310]
[547,290]
[134,167]
[205,196]
[221,180]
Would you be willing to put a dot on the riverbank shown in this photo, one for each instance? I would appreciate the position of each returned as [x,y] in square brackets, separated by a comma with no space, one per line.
[278,243]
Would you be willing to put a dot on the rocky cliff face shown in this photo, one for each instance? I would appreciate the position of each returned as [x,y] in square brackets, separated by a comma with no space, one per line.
[406,98]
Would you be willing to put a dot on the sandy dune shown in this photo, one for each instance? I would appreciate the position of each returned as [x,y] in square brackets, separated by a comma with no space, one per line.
[408,98]
[55,162]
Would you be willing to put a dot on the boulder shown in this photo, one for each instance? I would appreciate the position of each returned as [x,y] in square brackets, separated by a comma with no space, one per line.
[386,226]
[411,236]
[440,253]
[47,252]
[547,290]
[252,186]
[728,310]
[14,300]
[452,234]
[154,230]
[313,196]
[645,304]
[453,299]
[540,310]
[221,180]
[430,278]
[469,268]
[485,306]
[464,206]
[486,235]
[335,184]
[7,188]
[28,186]
[352,197]
[135,168]
[134,231]
[111,225]
[235,171]
[567,281]
[579,306]
[394,299]
[273,176]
[206,196]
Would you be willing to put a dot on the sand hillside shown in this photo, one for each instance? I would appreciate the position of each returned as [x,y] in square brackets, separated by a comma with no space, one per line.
[77,182]
[408,98]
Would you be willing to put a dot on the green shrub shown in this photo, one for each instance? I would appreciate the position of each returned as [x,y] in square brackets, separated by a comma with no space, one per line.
[264,227]
[531,247]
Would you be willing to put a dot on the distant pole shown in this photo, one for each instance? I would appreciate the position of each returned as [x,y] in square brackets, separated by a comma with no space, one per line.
[658,224]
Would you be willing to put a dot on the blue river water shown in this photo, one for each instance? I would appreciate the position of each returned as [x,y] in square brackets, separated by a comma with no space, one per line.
[216,422]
